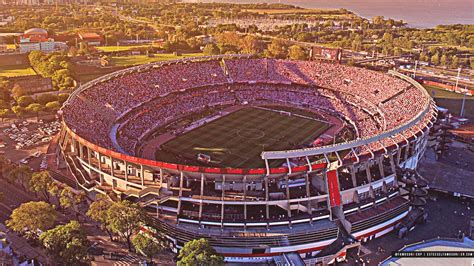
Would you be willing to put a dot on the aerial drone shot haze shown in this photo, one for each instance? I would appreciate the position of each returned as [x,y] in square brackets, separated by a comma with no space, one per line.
[192,132]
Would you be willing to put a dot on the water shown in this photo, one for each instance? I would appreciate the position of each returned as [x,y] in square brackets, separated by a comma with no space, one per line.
[417,13]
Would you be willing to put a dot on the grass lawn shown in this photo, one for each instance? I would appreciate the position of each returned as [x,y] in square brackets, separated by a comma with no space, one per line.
[445,45]
[114,48]
[143,59]
[237,139]
[437,92]
[15,71]
[454,106]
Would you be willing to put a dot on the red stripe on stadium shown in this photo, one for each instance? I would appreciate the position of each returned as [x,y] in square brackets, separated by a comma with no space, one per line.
[334,195]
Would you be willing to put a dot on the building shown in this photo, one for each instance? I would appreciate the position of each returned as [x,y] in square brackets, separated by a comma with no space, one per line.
[317,202]
[33,84]
[6,19]
[91,38]
[37,39]
[34,35]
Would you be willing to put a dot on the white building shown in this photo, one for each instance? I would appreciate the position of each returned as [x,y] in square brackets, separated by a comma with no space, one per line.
[37,39]
[48,46]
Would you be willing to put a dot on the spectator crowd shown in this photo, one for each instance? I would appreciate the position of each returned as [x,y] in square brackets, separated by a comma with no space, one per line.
[140,102]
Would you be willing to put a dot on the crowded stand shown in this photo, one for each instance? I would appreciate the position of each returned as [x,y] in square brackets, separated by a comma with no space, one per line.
[87,120]
[247,70]
[131,90]
[143,101]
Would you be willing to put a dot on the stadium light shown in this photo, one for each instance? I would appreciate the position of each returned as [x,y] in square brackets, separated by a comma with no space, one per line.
[457,79]
[464,92]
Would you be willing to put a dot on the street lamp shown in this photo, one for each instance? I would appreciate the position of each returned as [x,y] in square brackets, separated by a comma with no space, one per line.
[416,65]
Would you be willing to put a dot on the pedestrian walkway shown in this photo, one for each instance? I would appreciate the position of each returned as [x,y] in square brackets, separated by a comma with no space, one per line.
[21,247]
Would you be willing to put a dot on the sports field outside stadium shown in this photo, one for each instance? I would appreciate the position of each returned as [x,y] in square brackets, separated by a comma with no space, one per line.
[237,139]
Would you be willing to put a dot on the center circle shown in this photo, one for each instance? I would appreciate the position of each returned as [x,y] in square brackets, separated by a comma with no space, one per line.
[251,133]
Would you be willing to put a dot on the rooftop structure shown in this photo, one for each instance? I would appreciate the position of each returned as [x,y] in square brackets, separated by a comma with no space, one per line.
[435,245]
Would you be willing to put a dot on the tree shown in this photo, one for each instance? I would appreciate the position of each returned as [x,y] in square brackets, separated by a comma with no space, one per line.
[62,97]
[249,44]
[435,59]
[390,23]
[455,62]
[147,245]
[71,200]
[46,68]
[54,189]
[18,91]
[20,174]
[62,79]
[32,217]
[53,106]
[228,42]
[4,87]
[304,37]
[357,43]
[5,166]
[18,110]
[35,108]
[4,92]
[397,51]
[24,101]
[46,98]
[277,49]
[387,38]
[444,60]
[3,113]
[423,57]
[378,20]
[98,212]
[199,252]
[67,243]
[297,53]
[194,43]
[35,57]
[211,49]
[40,183]
[125,218]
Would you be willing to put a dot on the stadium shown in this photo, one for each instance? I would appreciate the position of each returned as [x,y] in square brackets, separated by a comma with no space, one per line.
[265,158]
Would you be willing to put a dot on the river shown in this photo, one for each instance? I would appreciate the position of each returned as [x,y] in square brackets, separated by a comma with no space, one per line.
[417,13]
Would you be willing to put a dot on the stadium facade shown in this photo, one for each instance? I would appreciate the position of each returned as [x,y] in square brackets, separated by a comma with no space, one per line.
[313,201]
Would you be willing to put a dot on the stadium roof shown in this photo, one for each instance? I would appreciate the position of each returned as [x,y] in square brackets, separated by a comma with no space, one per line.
[36,31]
[89,35]
[439,244]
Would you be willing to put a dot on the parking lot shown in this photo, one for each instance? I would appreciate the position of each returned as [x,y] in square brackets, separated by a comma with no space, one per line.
[25,142]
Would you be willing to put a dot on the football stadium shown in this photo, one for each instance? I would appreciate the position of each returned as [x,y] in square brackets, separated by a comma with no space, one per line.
[265,158]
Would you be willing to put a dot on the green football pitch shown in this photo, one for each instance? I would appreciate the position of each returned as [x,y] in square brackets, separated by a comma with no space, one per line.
[237,139]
